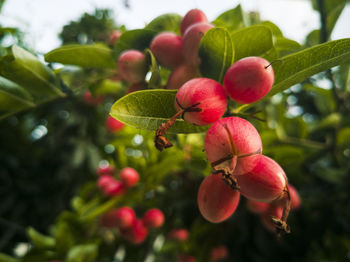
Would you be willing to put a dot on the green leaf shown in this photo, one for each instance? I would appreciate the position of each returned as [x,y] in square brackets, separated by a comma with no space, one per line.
[167,22]
[343,136]
[83,253]
[13,97]
[301,65]
[217,53]
[285,46]
[139,39]
[39,240]
[252,41]
[92,56]
[26,70]
[155,80]
[7,258]
[273,27]
[148,109]
[232,19]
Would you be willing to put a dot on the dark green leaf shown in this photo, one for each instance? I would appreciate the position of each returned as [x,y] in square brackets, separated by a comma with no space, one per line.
[217,53]
[148,109]
[167,22]
[39,240]
[7,258]
[232,19]
[155,79]
[26,70]
[82,253]
[139,39]
[93,56]
[252,41]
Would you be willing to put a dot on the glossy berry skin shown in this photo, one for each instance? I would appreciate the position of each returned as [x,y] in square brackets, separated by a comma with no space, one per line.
[129,176]
[216,201]
[178,234]
[265,182]
[125,217]
[137,233]
[246,140]
[105,170]
[192,17]
[114,188]
[167,48]
[109,219]
[153,218]
[113,38]
[191,41]
[113,125]
[180,75]
[218,253]
[275,211]
[249,79]
[257,207]
[209,94]
[104,180]
[132,66]
[89,99]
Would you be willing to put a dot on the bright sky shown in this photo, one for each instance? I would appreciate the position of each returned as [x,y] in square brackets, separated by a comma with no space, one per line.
[42,20]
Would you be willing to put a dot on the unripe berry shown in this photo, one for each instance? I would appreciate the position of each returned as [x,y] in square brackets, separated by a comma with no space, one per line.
[114,188]
[129,176]
[218,253]
[167,48]
[137,233]
[104,180]
[216,201]
[181,75]
[105,170]
[272,211]
[249,79]
[257,207]
[89,99]
[113,125]
[125,217]
[191,41]
[153,218]
[113,38]
[132,66]
[210,97]
[192,17]
[109,219]
[265,182]
[178,234]
[245,145]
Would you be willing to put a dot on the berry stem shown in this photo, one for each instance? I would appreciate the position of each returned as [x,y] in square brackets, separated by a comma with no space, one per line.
[277,60]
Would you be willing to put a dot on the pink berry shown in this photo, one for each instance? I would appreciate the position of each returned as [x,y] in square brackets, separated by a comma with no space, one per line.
[113,125]
[192,17]
[178,234]
[245,146]
[125,217]
[249,79]
[265,182]
[89,99]
[114,188]
[210,97]
[129,176]
[113,38]
[181,75]
[218,253]
[136,87]
[273,211]
[105,170]
[137,233]
[191,41]
[104,180]
[109,219]
[153,218]
[257,207]
[167,48]
[216,201]
[132,66]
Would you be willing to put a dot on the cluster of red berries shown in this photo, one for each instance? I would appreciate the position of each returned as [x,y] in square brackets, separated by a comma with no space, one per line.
[131,228]
[128,177]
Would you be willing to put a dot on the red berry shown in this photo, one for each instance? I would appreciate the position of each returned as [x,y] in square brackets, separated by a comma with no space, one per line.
[210,97]
[192,17]
[275,211]
[153,218]
[137,233]
[216,201]
[136,87]
[249,79]
[132,66]
[105,170]
[178,234]
[181,75]
[129,177]
[257,207]
[104,180]
[185,258]
[191,41]
[113,125]
[109,219]
[114,188]
[265,182]
[167,48]
[113,38]
[218,253]
[91,100]
[125,217]
[245,141]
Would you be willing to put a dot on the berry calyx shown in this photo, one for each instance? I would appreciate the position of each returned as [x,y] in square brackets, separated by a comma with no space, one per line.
[192,17]
[132,66]
[125,217]
[129,176]
[167,48]
[249,79]
[153,218]
[216,201]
